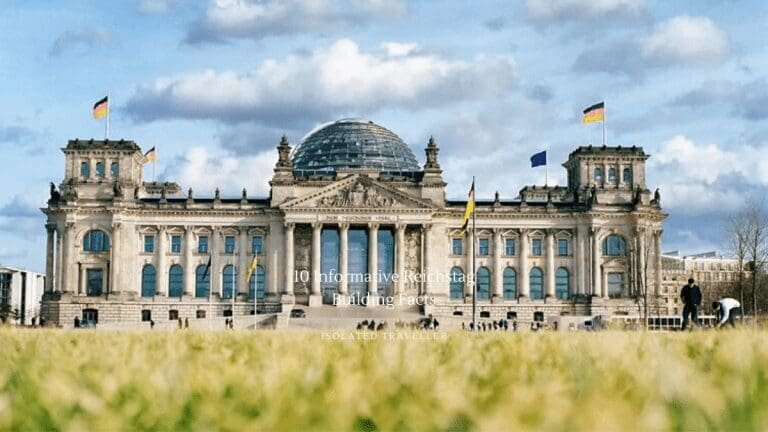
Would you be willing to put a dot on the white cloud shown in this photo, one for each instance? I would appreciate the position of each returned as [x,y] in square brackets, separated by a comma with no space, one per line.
[338,80]
[395,49]
[687,40]
[230,174]
[157,6]
[83,38]
[226,19]
[565,10]
[698,162]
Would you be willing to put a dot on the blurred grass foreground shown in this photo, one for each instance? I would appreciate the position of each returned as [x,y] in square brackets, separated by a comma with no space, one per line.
[300,380]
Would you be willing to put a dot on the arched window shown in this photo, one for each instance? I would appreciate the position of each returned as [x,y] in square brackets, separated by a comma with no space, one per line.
[114,169]
[612,175]
[457,283]
[614,245]
[96,241]
[510,284]
[228,282]
[627,175]
[598,174]
[483,283]
[536,284]
[85,169]
[562,283]
[202,281]
[256,284]
[175,281]
[148,281]
[99,169]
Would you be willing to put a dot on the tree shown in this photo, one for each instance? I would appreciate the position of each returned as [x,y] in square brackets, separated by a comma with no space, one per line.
[646,294]
[747,239]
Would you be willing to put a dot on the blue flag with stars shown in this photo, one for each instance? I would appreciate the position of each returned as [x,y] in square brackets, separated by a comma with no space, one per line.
[539,159]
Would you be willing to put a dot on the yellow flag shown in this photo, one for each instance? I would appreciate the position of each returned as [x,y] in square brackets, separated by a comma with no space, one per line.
[251,268]
[469,210]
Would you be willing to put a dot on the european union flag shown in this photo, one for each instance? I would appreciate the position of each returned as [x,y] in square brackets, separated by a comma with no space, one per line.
[539,159]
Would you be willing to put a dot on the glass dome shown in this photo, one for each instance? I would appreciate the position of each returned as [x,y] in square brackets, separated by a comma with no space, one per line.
[355,144]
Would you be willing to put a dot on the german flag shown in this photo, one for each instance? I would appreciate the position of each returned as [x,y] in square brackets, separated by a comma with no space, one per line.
[595,113]
[151,155]
[251,268]
[469,210]
[101,108]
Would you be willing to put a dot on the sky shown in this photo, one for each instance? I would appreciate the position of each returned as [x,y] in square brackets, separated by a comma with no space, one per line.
[213,85]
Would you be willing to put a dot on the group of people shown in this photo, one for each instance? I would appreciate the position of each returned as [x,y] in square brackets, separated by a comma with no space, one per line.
[371,325]
[727,309]
[501,324]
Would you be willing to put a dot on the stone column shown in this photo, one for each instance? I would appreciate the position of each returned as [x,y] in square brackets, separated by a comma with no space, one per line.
[114,262]
[49,257]
[162,270]
[428,241]
[189,270]
[57,280]
[81,281]
[522,275]
[67,262]
[215,270]
[315,298]
[580,257]
[373,264]
[657,270]
[498,271]
[288,297]
[399,284]
[243,263]
[596,271]
[642,273]
[343,259]
[550,277]
[469,271]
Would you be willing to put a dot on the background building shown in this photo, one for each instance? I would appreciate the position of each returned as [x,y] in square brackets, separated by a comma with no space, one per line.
[715,274]
[21,292]
[351,199]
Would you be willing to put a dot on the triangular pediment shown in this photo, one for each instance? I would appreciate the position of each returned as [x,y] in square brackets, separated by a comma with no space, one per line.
[357,192]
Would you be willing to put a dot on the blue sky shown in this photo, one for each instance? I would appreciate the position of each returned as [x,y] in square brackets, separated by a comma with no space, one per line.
[214,84]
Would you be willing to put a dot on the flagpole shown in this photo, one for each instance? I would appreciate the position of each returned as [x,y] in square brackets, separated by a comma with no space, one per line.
[474,278]
[546,169]
[106,126]
[234,291]
[605,118]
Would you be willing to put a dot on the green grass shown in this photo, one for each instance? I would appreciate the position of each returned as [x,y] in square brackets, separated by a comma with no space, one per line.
[285,380]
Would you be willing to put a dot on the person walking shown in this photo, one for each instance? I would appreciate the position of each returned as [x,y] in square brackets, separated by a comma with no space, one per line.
[727,310]
[691,296]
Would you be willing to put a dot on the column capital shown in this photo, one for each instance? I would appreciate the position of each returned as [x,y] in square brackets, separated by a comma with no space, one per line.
[289,226]
[343,226]
[497,232]
[51,227]
[317,225]
[69,226]
[400,226]
[523,231]
[594,231]
[116,226]
[373,226]
[426,227]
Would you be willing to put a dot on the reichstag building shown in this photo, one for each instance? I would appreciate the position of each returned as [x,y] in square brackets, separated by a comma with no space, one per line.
[352,220]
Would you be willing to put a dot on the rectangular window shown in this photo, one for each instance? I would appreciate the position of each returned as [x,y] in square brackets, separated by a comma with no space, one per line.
[536,247]
[146,315]
[149,244]
[483,248]
[176,244]
[256,244]
[114,170]
[229,244]
[202,244]
[509,247]
[456,246]
[173,314]
[94,282]
[562,247]
[616,285]
[5,290]
[200,314]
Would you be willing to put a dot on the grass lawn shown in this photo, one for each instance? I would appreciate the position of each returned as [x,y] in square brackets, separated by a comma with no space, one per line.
[296,380]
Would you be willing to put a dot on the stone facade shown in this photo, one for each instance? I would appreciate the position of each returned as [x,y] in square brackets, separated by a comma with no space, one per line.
[21,292]
[120,246]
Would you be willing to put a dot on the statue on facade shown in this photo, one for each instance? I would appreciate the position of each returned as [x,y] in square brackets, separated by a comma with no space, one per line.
[190,196]
[245,195]
[431,152]
[117,190]
[496,199]
[136,192]
[656,197]
[55,195]
[284,153]
[638,196]
[162,193]
[217,195]
[594,195]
